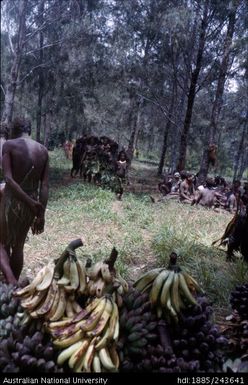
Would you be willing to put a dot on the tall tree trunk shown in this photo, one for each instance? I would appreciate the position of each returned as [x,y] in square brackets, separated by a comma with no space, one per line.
[166,133]
[150,143]
[47,128]
[240,151]
[134,120]
[218,101]
[15,67]
[243,164]
[41,75]
[192,90]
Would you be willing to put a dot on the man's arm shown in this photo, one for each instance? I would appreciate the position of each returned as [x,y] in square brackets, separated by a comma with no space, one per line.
[43,193]
[39,222]
[15,187]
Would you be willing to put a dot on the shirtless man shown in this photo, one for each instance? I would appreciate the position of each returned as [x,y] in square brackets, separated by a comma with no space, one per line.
[23,204]
[206,196]
[3,138]
[186,190]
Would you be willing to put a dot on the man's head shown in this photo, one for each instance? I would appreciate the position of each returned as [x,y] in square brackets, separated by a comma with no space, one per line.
[210,183]
[20,126]
[177,175]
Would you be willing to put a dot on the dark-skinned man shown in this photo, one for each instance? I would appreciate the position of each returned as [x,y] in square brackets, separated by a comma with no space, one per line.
[23,204]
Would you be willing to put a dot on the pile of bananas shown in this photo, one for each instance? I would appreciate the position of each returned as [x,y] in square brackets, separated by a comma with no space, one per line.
[52,298]
[170,290]
[239,300]
[11,312]
[197,339]
[27,349]
[102,280]
[88,340]
[137,329]
[235,326]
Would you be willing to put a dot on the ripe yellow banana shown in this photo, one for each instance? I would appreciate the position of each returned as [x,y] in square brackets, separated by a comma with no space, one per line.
[65,279]
[147,278]
[102,320]
[66,353]
[96,364]
[72,339]
[55,304]
[31,288]
[117,330]
[106,275]
[82,277]
[92,320]
[78,354]
[106,360]
[165,292]
[34,300]
[89,308]
[157,286]
[109,330]
[69,309]
[89,355]
[185,290]
[74,277]
[60,310]
[47,304]
[47,279]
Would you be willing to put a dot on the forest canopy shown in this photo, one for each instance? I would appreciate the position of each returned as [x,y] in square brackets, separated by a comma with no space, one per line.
[167,77]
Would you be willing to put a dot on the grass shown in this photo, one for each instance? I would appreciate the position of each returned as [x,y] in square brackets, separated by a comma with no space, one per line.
[144,233]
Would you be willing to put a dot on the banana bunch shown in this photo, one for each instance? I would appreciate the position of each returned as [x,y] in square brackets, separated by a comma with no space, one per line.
[88,339]
[101,280]
[170,291]
[74,276]
[46,297]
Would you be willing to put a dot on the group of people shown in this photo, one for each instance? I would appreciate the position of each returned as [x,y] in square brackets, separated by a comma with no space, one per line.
[214,193]
[23,193]
[99,160]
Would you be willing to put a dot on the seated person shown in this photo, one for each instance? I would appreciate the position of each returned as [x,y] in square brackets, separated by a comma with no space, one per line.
[176,183]
[186,190]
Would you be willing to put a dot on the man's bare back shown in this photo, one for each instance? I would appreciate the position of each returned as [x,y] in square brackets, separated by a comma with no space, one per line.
[25,167]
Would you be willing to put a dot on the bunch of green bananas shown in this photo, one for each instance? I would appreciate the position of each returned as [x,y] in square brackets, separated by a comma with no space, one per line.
[170,291]
[53,298]
[88,339]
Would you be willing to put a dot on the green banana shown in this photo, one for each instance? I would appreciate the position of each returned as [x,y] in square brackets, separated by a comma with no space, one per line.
[165,292]
[147,278]
[185,290]
[157,286]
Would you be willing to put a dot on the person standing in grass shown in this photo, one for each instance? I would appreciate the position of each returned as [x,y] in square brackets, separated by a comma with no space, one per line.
[24,200]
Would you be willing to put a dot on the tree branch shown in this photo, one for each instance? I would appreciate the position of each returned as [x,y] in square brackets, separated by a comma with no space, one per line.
[3,89]
[30,72]
[44,46]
